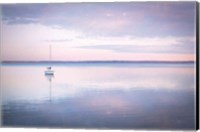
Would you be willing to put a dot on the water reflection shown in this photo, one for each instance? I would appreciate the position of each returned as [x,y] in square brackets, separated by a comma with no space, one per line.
[99,97]
[49,78]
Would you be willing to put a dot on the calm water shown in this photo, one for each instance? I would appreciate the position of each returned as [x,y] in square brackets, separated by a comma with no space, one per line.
[117,96]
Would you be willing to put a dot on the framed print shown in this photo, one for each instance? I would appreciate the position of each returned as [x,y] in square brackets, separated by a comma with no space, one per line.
[99,65]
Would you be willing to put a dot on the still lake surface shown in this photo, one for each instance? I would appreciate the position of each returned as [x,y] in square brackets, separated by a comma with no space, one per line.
[113,96]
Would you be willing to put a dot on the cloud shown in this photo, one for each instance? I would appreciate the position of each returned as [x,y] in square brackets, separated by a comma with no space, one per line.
[146,45]
[141,49]
[109,19]
[128,44]
[19,20]
[85,41]
[38,32]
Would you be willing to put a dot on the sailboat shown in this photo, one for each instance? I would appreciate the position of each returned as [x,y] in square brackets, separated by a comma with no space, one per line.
[49,71]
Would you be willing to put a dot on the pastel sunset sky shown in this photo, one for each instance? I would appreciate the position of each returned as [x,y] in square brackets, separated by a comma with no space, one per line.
[161,31]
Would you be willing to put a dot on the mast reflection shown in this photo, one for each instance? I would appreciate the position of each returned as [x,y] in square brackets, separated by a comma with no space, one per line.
[50,77]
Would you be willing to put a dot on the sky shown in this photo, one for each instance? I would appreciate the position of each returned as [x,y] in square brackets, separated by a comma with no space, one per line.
[136,31]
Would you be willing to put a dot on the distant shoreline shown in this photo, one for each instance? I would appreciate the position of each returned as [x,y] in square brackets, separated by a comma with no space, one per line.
[93,62]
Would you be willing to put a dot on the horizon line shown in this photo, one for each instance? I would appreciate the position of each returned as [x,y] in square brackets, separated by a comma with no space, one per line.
[96,61]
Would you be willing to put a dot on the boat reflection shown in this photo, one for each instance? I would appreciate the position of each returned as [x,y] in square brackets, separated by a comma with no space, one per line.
[50,77]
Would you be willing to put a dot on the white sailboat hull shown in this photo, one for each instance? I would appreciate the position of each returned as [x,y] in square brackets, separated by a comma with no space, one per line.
[49,72]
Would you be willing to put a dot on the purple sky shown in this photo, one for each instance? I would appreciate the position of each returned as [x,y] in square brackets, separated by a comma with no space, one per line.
[99,31]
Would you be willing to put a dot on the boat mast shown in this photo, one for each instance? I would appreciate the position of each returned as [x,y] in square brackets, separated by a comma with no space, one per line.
[50,52]
[50,55]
